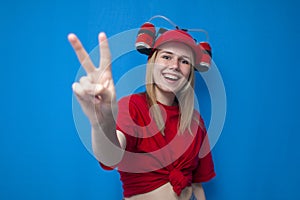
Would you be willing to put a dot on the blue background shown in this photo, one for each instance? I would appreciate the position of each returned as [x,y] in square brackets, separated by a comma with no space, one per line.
[255,45]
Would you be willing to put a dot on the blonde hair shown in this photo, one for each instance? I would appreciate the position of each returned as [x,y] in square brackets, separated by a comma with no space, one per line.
[185,98]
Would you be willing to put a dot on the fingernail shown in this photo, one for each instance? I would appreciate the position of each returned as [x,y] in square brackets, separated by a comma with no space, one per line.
[71,36]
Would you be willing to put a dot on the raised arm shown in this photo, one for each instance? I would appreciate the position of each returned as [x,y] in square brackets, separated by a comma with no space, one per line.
[97,97]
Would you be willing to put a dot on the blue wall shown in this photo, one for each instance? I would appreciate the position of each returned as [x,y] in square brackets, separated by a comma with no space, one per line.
[255,45]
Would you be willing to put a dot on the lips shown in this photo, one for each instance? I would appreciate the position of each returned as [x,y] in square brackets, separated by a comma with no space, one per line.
[171,77]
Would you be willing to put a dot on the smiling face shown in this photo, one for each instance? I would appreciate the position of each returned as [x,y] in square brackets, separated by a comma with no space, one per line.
[172,68]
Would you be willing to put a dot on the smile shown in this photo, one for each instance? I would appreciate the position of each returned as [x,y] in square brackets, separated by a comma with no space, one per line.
[171,77]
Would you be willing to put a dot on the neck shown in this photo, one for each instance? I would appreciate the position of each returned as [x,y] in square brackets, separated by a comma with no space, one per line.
[166,98]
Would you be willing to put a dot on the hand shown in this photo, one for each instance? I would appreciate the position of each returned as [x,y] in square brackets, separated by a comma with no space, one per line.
[95,91]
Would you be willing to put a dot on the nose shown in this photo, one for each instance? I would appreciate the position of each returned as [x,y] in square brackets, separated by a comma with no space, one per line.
[174,64]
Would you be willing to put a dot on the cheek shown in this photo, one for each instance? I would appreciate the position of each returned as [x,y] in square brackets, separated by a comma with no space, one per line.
[156,72]
[186,71]
[160,63]
[158,67]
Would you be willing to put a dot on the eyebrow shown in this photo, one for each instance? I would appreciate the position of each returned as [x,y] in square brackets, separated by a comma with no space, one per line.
[169,52]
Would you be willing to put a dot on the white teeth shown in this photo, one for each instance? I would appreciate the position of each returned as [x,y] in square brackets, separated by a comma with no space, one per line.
[170,76]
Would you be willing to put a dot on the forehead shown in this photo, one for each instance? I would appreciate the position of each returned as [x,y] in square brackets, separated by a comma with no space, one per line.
[178,48]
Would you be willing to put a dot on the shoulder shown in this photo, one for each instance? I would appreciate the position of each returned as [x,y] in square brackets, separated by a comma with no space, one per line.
[139,98]
[135,104]
[198,118]
[198,124]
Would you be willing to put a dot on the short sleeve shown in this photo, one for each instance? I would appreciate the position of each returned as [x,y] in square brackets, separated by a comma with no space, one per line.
[205,169]
[126,124]
[126,121]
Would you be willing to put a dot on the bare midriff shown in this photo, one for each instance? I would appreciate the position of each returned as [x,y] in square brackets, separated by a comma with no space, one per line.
[164,192]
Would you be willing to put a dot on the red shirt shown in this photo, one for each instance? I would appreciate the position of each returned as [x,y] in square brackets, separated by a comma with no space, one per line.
[151,159]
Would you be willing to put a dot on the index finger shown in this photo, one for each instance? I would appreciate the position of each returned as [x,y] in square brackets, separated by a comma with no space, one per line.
[81,53]
[105,57]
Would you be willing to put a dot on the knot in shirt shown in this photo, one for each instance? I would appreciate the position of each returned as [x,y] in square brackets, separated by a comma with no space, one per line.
[178,181]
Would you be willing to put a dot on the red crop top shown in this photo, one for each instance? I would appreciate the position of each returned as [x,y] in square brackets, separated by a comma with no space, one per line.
[151,159]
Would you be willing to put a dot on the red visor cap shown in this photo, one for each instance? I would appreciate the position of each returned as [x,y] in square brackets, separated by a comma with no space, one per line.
[179,36]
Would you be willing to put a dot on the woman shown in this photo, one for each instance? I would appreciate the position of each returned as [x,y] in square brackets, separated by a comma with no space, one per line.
[159,130]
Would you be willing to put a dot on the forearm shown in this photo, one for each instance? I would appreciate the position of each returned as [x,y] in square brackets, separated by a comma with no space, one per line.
[105,143]
[198,191]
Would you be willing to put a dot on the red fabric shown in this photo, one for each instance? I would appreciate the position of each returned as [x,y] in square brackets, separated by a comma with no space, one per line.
[178,180]
[182,37]
[151,159]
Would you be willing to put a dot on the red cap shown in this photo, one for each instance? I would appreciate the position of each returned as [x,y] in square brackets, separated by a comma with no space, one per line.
[179,36]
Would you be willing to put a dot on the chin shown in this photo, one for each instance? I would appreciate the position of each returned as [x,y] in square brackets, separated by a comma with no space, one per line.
[169,90]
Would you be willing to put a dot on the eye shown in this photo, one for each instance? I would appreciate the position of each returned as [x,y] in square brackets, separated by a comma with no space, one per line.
[166,57]
[186,62]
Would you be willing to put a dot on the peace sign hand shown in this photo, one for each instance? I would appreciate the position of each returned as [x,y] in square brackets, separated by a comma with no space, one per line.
[95,91]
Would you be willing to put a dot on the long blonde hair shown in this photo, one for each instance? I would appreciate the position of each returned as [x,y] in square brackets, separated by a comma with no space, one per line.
[185,98]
